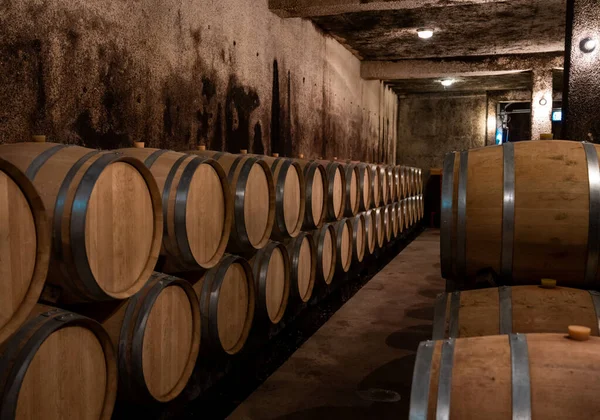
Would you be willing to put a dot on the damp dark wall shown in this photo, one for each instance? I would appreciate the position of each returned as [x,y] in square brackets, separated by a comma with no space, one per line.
[228,74]
[429,126]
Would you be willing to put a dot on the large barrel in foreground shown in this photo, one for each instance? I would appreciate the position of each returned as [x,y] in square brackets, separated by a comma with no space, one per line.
[105,214]
[517,309]
[24,247]
[523,211]
[197,206]
[157,339]
[518,376]
[58,365]
[227,300]
[253,195]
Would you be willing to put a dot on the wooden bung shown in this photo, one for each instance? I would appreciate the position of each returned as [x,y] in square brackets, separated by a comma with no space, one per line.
[551,190]
[315,178]
[104,210]
[58,365]
[156,335]
[253,194]
[25,244]
[528,309]
[557,378]
[325,242]
[227,301]
[579,333]
[303,266]
[343,237]
[290,196]
[271,271]
[197,207]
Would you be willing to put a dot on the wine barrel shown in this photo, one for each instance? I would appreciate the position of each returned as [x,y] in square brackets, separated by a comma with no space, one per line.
[397,186]
[393,219]
[197,206]
[388,223]
[421,202]
[156,335]
[104,210]
[380,226]
[419,176]
[336,190]
[370,231]
[403,188]
[408,213]
[315,177]
[399,217]
[343,242]
[518,376]
[226,295]
[353,190]
[58,365]
[253,194]
[303,266]
[24,247]
[385,184]
[290,201]
[325,243]
[391,183]
[271,271]
[365,186]
[531,212]
[359,237]
[517,309]
[376,186]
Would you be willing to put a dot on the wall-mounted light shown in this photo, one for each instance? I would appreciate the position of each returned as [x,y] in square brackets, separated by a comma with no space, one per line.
[543,102]
[425,33]
[588,45]
[447,82]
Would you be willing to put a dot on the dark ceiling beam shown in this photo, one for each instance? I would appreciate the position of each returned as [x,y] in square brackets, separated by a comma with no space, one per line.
[463,66]
[311,8]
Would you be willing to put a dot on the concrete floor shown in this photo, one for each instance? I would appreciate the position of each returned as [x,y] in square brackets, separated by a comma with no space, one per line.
[359,364]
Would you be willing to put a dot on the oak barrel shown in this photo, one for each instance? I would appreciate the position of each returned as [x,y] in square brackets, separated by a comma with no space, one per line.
[58,365]
[197,206]
[253,194]
[380,225]
[271,271]
[397,185]
[370,231]
[516,376]
[359,237]
[404,181]
[376,186]
[325,242]
[24,247]
[316,189]
[104,210]
[290,190]
[156,334]
[389,169]
[385,184]
[516,309]
[343,242]
[353,190]
[336,190]
[400,217]
[303,266]
[393,219]
[365,186]
[226,295]
[524,211]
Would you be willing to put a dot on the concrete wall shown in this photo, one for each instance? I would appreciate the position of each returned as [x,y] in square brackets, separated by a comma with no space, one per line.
[429,126]
[178,73]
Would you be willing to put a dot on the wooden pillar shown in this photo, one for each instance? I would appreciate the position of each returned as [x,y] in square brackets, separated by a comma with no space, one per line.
[541,103]
[582,72]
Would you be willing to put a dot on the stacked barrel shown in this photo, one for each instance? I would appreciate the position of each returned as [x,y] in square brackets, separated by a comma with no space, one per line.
[150,257]
[519,223]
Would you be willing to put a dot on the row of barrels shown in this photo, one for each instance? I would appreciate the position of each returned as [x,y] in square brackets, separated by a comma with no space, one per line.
[512,215]
[145,348]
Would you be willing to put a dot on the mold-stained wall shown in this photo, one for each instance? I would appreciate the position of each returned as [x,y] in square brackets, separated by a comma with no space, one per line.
[176,74]
[429,126]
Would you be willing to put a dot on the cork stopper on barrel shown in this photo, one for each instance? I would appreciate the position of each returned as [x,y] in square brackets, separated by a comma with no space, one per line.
[244,152]
[139,144]
[202,147]
[548,284]
[38,138]
[301,156]
[579,333]
[275,154]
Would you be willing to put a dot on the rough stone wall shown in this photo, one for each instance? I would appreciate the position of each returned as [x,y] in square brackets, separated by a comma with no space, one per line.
[429,126]
[179,73]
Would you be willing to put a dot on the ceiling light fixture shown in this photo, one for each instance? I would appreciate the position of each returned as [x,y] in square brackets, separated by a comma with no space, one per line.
[588,45]
[447,82]
[425,33]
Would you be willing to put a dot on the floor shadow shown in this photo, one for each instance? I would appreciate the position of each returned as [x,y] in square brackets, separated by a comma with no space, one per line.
[420,312]
[409,338]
